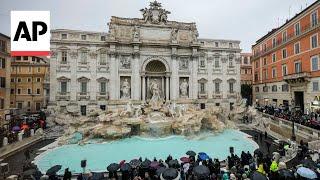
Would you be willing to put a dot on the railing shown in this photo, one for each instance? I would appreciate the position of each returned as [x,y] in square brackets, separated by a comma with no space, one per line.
[83,96]
[203,95]
[63,96]
[296,75]
[102,96]
[305,29]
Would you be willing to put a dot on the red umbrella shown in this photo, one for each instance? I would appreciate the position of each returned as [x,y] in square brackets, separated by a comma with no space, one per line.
[185,159]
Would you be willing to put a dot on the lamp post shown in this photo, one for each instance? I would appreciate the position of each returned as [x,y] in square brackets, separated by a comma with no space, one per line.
[293,136]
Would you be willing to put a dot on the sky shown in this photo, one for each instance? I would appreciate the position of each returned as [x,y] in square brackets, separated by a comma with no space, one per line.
[244,20]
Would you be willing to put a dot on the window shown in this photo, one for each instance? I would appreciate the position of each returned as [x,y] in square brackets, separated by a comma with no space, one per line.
[314,41]
[256,77]
[285,87]
[274,88]
[257,88]
[83,57]
[230,45]
[264,61]
[284,70]
[274,42]
[29,91]
[29,104]
[28,79]
[103,57]
[103,87]
[284,36]
[202,87]
[314,18]
[2,82]
[297,29]
[103,38]
[83,87]
[231,90]
[264,47]
[274,72]
[83,37]
[38,69]
[64,36]
[297,67]
[38,106]
[297,48]
[274,57]
[12,80]
[216,44]
[1,103]
[18,58]
[230,61]
[19,91]
[3,46]
[264,74]
[245,60]
[315,86]
[202,64]
[284,53]
[12,91]
[265,88]
[3,63]
[217,87]
[25,58]
[257,64]
[38,91]
[19,105]
[19,79]
[63,87]
[216,62]
[64,57]
[38,79]
[315,63]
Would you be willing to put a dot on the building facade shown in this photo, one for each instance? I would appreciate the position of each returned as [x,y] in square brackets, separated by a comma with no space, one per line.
[29,78]
[5,61]
[286,63]
[246,69]
[96,69]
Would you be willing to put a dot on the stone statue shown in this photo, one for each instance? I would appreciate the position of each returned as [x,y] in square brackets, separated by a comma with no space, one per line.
[183,65]
[136,33]
[195,35]
[174,34]
[125,88]
[155,14]
[155,90]
[128,111]
[125,63]
[184,88]
[164,16]
[146,14]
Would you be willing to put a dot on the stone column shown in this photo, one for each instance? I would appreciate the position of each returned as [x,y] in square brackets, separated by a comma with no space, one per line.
[147,86]
[113,77]
[54,84]
[194,79]
[143,88]
[162,85]
[210,80]
[135,82]
[74,85]
[174,79]
[167,88]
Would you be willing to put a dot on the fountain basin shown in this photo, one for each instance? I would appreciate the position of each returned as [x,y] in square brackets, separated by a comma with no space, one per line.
[99,155]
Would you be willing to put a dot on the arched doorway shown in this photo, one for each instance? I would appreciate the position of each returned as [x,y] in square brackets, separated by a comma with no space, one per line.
[155,73]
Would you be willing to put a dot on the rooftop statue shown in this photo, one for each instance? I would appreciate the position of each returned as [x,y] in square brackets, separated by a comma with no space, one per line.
[155,14]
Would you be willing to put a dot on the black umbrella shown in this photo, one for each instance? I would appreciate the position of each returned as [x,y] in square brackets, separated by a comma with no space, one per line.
[160,171]
[191,153]
[201,171]
[146,163]
[170,174]
[258,152]
[174,163]
[135,163]
[308,163]
[53,170]
[126,167]
[113,167]
[286,174]
[258,176]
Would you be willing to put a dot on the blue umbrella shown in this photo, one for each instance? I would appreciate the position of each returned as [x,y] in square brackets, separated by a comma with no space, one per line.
[203,156]
[306,173]
[16,128]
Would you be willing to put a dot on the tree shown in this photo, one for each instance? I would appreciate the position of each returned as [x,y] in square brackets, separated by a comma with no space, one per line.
[246,92]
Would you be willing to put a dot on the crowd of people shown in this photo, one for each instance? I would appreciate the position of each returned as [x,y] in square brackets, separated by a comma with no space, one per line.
[310,119]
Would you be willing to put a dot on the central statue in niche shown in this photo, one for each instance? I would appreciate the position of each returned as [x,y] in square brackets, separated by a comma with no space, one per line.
[155,101]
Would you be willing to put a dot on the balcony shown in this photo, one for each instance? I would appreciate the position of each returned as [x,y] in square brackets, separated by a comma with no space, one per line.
[83,96]
[297,77]
[63,96]
[102,96]
[202,95]
[217,95]
[231,95]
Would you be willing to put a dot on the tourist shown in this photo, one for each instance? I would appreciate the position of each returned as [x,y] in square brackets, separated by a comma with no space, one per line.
[67,174]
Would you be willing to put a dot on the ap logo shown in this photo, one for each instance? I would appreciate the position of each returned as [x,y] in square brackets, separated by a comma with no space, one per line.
[30,33]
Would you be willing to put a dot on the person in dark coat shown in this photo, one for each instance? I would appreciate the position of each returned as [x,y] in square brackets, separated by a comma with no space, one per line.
[67,174]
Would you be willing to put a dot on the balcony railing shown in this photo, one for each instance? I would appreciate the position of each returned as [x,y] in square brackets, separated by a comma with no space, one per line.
[296,77]
[83,96]
[305,29]
[102,96]
[217,95]
[63,96]
[202,95]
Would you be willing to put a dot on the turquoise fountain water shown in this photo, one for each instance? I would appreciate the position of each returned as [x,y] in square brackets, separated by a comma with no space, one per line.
[99,155]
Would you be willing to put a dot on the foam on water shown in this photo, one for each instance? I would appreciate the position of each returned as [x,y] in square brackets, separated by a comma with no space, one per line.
[100,155]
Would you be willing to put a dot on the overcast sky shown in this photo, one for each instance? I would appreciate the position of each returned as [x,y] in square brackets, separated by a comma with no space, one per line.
[244,20]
